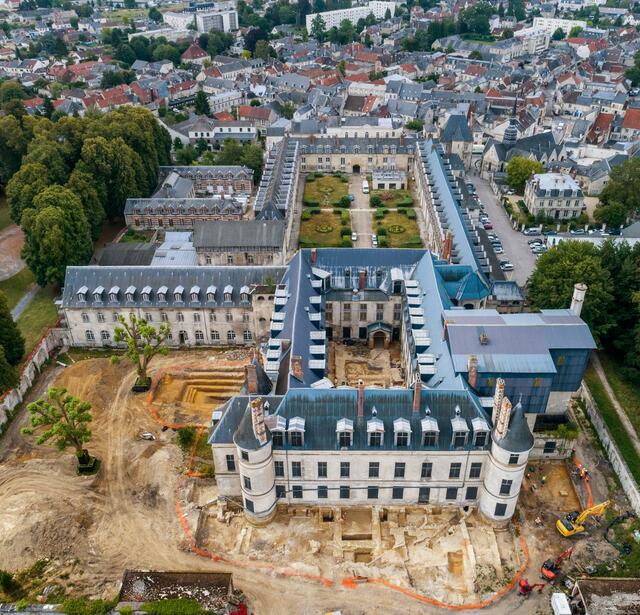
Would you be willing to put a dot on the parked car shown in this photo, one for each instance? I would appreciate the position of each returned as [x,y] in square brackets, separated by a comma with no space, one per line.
[487,226]
[374,240]
[577,231]
[533,242]
[539,249]
[354,236]
[351,197]
[492,237]
[506,265]
[549,233]
[498,249]
[531,231]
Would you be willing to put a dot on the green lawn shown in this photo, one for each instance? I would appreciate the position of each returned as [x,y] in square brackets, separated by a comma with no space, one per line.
[401,232]
[39,315]
[321,231]
[5,220]
[617,431]
[325,190]
[392,198]
[16,286]
[132,236]
[627,393]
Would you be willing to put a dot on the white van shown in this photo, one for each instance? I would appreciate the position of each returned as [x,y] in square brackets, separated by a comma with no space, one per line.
[365,187]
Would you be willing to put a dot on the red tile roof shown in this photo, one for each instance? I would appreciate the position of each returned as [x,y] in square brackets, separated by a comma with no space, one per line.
[194,52]
[632,119]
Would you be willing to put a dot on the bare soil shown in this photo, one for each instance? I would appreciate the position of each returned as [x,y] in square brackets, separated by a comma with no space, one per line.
[11,243]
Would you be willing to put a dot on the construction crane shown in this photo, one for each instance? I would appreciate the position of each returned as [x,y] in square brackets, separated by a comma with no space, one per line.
[524,589]
[551,568]
[573,522]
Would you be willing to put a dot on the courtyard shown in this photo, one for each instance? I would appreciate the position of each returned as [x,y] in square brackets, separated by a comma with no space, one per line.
[381,367]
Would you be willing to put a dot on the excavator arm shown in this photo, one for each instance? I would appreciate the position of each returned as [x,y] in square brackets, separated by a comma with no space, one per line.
[594,511]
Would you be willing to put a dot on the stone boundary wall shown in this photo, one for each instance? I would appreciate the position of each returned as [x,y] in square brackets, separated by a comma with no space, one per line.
[51,341]
[620,467]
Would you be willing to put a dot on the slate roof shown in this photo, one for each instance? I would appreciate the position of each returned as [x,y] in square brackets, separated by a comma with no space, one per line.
[239,234]
[518,438]
[456,129]
[120,254]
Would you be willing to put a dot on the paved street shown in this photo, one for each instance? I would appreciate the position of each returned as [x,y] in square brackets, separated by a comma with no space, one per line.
[361,213]
[515,245]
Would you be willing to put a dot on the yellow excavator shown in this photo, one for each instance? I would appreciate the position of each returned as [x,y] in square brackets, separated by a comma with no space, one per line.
[573,522]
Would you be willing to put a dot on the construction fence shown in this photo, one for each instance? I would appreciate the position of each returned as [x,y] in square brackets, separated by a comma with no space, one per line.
[613,453]
[49,343]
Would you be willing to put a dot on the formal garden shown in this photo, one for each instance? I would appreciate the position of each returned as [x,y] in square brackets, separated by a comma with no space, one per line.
[395,219]
[326,190]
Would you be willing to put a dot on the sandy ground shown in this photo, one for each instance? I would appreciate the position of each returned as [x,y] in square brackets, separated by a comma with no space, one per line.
[125,517]
[11,242]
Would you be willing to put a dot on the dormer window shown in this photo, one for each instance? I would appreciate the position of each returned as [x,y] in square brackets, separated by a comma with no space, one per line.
[82,293]
[97,294]
[296,431]
[162,294]
[211,293]
[244,294]
[344,430]
[375,431]
[195,293]
[430,430]
[178,293]
[480,432]
[113,293]
[146,293]
[130,292]
[277,426]
[402,432]
[228,293]
[460,429]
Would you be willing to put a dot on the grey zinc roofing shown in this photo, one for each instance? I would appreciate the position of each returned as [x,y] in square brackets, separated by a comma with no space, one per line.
[518,438]
[239,234]
[156,277]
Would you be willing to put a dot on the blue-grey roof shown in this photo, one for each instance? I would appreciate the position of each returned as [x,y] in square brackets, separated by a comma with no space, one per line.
[518,438]
[457,129]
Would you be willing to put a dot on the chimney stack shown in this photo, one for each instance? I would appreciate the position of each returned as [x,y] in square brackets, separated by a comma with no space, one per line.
[251,378]
[257,421]
[472,368]
[497,400]
[296,367]
[579,291]
[362,279]
[417,389]
[448,244]
[503,419]
[314,256]
[360,399]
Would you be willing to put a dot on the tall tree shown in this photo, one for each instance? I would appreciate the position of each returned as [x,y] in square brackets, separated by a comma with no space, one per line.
[11,339]
[92,196]
[520,169]
[201,105]
[143,342]
[8,374]
[13,144]
[551,284]
[318,28]
[24,186]
[56,235]
[62,419]
[623,187]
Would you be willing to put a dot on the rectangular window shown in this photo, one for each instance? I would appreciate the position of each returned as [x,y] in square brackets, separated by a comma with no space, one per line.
[397,493]
[344,439]
[459,439]
[480,438]
[423,494]
[501,510]
[323,492]
[430,438]
[295,438]
[247,483]
[513,459]
[248,505]
[476,469]
[280,491]
[277,438]
[278,466]
[402,439]
[379,311]
[549,447]
[397,311]
[372,493]
[345,469]
[505,487]
[296,491]
[231,463]
[375,439]
[322,469]
[452,493]
[427,469]
[472,493]
[374,469]
[296,469]
[344,492]
[245,456]
[363,311]
[399,469]
[454,470]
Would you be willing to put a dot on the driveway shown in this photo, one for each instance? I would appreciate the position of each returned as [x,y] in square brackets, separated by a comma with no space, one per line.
[515,245]
[361,213]
[11,242]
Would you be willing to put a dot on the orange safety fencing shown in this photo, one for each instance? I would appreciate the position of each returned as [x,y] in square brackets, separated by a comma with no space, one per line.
[266,567]
[585,480]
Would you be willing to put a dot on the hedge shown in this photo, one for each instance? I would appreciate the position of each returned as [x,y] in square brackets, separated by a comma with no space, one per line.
[346,242]
[311,202]
[411,214]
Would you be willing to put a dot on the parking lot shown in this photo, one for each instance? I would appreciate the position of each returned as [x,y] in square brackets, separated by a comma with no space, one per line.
[361,213]
[514,243]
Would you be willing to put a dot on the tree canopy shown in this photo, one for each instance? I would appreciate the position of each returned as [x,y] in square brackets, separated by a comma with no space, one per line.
[620,198]
[11,340]
[520,169]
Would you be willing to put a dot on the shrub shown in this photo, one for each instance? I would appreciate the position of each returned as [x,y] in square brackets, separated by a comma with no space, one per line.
[402,211]
[346,242]
[383,242]
[345,202]
[175,606]
[324,228]
[186,437]
[386,195]
[382,231]
[83,606]
[7,582]
[379,214]
[126,610]
[314,211]
[311,202]
[375,201]
[345,218]
[306,214]
[411,214]
[344,232]
[311,178]
[406,202]
[344,178]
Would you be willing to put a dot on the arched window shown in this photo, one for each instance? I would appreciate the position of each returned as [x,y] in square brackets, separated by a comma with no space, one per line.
[89,335]
[215,335]
[231,336]
[85,317]
[105,336]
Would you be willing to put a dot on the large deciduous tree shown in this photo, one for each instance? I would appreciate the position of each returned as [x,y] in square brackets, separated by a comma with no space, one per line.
[56,234]
[520,169]
[24,186]
[8,374]
[11,339]
[143,342]
[551,284]
[622,189]
[62,419]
